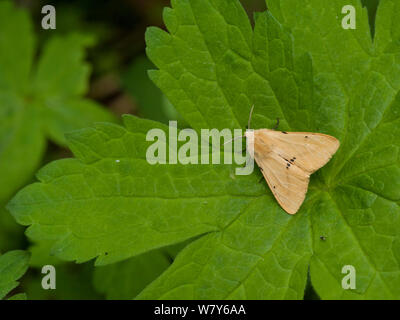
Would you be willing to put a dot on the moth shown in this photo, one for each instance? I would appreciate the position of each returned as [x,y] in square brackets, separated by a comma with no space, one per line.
[287,159]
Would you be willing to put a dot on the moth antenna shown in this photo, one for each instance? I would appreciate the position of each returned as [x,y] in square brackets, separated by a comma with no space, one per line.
[251,113]
[236,138]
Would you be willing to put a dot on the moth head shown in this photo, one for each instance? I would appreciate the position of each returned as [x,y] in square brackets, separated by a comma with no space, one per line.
[249,134]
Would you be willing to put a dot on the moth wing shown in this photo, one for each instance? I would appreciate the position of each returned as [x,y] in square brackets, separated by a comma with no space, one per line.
[309,151]
[288,184]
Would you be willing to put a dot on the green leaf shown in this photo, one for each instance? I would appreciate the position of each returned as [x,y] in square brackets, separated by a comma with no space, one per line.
[66,79]
[112,170]
[38,102]
[213,66]
[13,265]
[361,212]
[16,52]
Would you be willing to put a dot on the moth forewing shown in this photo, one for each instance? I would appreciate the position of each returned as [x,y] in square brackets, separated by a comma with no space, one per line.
[287,159]
[309,151]
[289,186]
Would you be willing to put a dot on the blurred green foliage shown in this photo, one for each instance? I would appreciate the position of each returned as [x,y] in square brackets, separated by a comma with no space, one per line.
[41,98]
